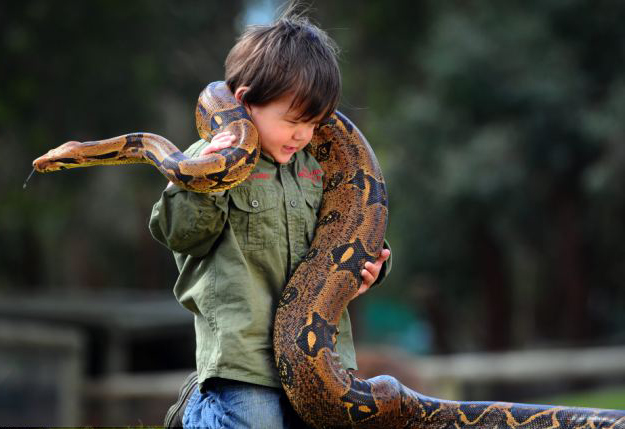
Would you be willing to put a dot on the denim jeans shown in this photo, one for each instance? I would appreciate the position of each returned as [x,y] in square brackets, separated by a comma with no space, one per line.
[231,404]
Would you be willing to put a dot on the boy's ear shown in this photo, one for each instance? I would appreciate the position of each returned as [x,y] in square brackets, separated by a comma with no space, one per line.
[238,93]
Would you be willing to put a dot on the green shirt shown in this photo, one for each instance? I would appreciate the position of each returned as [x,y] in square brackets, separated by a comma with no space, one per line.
[235,253]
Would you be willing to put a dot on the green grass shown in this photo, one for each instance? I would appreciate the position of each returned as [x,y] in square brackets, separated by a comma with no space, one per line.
[611,398]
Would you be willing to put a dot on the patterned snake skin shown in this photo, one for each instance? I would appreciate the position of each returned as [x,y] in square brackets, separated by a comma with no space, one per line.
[350,231]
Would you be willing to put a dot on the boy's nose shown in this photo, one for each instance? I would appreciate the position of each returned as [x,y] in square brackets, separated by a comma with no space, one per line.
[303,133]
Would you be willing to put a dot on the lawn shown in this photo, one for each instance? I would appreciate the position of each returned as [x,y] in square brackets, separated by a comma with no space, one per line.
[611,398]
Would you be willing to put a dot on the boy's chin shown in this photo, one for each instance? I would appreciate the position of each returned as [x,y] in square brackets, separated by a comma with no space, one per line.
[283,158]
[279,156]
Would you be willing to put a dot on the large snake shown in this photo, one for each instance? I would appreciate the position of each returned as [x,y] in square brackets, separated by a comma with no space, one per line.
[349,232]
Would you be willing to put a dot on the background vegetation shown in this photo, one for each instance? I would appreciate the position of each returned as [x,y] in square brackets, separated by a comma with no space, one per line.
[499,126]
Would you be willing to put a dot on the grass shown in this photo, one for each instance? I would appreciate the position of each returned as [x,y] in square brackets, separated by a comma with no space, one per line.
[610,398]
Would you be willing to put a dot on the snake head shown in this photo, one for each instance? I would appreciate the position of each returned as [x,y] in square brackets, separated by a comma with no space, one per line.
[62,157]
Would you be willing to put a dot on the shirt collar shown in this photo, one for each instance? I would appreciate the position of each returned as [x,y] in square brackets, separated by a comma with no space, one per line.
[268,157]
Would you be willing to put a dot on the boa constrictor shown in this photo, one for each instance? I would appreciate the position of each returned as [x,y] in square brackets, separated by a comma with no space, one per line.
[350,231]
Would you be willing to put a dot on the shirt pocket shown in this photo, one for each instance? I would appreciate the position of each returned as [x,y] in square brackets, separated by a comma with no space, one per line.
[254,216]
[313,203]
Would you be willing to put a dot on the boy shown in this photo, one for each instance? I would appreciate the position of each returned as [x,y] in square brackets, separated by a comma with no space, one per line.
[236,250]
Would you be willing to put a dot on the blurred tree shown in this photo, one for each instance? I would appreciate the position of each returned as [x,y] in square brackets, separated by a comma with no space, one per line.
[498,125]
[79,70]
[498,128]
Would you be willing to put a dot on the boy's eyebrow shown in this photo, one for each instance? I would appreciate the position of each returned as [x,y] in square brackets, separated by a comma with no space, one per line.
[295,115]
[299,118]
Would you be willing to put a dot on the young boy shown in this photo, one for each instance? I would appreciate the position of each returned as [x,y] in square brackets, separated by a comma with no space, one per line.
[237,249]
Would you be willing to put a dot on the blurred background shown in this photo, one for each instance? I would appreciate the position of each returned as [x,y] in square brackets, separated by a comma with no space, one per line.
[499,127]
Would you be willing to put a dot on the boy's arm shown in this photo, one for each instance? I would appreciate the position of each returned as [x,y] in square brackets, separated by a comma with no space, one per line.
[189,222]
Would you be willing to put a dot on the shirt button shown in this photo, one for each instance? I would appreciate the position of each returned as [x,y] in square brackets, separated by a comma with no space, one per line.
[255,203]
[293,203]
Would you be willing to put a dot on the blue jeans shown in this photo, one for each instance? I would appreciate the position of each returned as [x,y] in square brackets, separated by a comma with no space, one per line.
[231,404]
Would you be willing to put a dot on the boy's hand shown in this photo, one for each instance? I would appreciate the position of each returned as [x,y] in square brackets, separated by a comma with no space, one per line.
[372,271]
[219,142]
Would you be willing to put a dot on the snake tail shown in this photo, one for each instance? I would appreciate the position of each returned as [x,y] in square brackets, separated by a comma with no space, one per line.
[350,231]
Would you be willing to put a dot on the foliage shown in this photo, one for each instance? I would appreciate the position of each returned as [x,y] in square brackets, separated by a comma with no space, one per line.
[499,128]
[609,398]
[498,125]
[79,70]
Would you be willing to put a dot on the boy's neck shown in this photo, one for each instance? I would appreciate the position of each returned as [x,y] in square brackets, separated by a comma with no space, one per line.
[269,158]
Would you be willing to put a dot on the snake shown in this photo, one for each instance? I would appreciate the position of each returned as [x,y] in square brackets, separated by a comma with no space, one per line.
[350,231]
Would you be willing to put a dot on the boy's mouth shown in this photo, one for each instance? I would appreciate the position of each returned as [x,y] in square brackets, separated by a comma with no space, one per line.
[289,148]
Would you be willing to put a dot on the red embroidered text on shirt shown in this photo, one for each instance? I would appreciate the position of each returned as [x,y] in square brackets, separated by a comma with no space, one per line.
[314,176]
[264,176]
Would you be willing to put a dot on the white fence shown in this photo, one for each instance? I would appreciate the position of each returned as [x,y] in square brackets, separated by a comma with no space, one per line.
[447,376]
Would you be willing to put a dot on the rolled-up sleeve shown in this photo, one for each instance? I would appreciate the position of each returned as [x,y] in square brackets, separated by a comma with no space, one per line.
[188,222]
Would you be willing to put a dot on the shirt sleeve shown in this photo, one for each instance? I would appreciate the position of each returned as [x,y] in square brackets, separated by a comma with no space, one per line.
[189,222]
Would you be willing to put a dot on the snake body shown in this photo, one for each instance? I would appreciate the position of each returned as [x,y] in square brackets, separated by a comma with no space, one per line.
[213,173]
[350,231]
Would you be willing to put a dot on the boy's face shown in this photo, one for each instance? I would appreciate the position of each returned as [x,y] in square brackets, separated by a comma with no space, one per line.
[281,133]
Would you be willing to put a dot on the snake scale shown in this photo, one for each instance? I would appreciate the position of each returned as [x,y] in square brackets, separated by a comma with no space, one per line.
[350,231]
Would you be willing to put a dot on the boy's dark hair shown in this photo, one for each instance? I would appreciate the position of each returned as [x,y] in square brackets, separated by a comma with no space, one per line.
[290,56]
